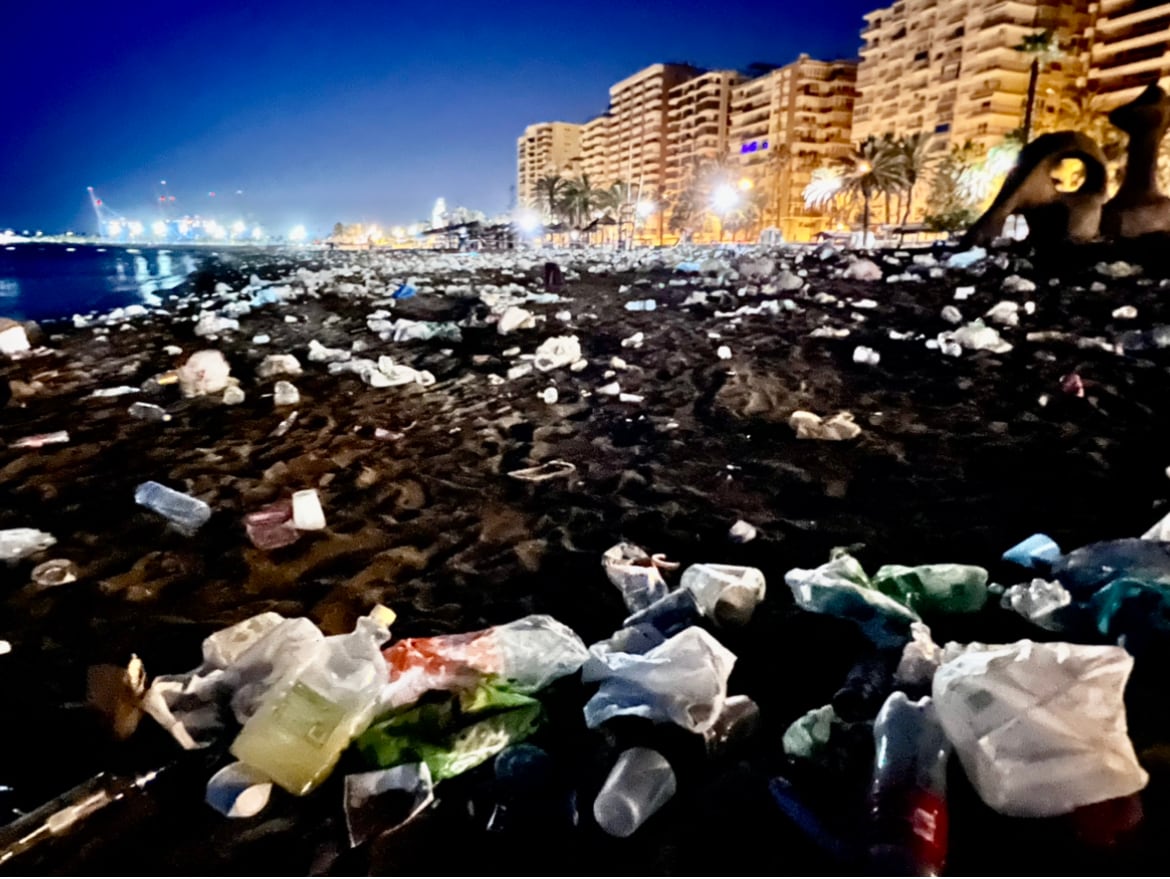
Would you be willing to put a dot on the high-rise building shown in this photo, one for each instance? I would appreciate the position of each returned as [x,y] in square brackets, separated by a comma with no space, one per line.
[594,144]
[1130,49]
[546,148]
[950,67]
[784,125]
[698,118]
[637,132]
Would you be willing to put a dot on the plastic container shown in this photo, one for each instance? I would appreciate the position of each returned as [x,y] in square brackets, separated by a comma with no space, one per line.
[187,512]
[640,783]
[727,594]
[908,805]
[309,717]
[306,510]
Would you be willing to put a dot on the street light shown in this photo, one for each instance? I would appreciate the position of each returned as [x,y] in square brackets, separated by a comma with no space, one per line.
[297,234]
[645,208]
[724,198]
[745,184]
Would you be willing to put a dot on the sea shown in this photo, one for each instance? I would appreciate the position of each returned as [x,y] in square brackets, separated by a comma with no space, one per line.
[47,281]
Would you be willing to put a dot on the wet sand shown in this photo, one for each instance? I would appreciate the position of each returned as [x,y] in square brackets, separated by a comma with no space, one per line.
[957,461]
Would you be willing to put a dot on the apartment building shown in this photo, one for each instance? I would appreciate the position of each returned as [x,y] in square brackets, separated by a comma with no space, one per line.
[949,67]
[1130,48]
[545,148]
[637,128]
[594,143]
[785,124]
[698,120]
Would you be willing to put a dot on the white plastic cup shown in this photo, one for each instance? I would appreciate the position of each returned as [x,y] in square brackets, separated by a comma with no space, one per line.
[640,783]
[307,512]
[239,791]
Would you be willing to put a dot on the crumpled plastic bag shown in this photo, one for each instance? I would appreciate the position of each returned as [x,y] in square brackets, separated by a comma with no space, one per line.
[386,800]
[1040,728]
[682,680]
[453,735]
[841,588]
[809,425]
[525,655]
[921,658]
[557,352]
[205,372]
[1039,601]
[946,588]
[240,664]
[632,570]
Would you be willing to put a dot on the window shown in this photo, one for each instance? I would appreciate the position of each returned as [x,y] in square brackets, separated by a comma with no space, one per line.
[942,129]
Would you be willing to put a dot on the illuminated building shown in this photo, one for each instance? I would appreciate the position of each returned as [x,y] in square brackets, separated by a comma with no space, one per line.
[547,148]
[1130,49]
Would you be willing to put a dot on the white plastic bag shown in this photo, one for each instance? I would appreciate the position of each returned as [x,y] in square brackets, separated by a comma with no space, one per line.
[1040,728]
[683,680]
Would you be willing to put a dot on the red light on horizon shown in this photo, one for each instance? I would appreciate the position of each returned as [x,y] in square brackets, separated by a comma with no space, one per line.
[99,201]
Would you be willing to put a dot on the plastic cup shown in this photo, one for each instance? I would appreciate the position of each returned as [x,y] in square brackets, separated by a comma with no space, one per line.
[640,783]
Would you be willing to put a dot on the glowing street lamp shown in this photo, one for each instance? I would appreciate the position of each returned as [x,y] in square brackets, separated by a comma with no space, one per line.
[297,233]
[257,233]
[528,221]
[724,198]
[159,228]
[239,227]
[745,184]
[135,228]
[646,208]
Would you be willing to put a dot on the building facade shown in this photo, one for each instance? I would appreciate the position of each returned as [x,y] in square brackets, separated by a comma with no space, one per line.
[950,68]
[698,120]
[594,143]
[637,132]
[544,149]
[1130,49]
[783,126]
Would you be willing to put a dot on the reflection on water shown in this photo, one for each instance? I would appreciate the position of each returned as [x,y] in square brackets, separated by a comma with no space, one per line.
[40,281]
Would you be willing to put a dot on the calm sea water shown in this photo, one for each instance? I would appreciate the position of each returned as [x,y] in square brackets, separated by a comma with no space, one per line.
[45,281]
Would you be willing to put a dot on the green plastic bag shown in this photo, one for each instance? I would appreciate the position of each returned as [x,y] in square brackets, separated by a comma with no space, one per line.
[453,735]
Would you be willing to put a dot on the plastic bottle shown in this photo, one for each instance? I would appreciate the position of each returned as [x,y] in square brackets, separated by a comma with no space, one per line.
[185,511]
[148,412]
[866,686]
[908,805]
[727,594]
[640,783]
[1085,570]
[309,717]
[670,614]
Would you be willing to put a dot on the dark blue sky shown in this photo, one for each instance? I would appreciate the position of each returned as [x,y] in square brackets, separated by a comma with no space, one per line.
[326,111]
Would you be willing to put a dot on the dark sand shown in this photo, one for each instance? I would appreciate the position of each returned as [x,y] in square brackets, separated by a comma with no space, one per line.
[957,461]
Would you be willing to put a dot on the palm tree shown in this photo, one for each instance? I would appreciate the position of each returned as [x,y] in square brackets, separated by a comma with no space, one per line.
[872,169]
[914,151]
[580,199]
[1043,47]
[549,193]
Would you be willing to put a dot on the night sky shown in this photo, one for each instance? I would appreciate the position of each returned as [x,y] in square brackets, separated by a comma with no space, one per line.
[311,113]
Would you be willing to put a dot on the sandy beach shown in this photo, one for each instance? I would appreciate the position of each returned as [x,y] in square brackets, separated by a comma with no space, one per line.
[958,458]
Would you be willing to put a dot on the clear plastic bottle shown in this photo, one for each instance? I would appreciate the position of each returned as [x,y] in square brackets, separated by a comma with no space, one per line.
[310,716]
[187,512]
[908,804]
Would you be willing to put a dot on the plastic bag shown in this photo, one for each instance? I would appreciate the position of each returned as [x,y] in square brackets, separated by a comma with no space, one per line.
[525,655]
[840,588]
[682,680]
[1040,728]
[632,570]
